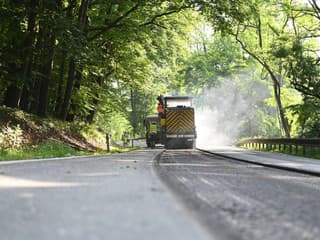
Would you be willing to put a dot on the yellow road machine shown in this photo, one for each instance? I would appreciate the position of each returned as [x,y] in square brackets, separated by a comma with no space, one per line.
[176,122]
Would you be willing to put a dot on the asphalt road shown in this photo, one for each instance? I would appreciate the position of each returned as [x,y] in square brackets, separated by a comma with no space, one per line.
[88,198]
[185,195]
[236,200]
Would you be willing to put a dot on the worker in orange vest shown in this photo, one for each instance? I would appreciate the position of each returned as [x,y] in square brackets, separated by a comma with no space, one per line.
[160,108]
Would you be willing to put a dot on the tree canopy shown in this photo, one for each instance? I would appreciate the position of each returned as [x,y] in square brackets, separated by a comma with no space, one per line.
[104,62]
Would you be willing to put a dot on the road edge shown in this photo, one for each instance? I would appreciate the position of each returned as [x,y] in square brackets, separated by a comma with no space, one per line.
[265,164]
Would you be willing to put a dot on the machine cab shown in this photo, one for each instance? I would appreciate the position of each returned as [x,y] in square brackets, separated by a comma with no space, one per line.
[178,102]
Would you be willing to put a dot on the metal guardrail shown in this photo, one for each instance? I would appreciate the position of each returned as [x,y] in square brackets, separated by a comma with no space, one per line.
[283,144]
[135,139]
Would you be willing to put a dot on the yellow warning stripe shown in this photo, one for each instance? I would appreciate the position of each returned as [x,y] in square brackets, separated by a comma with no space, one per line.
[180,120]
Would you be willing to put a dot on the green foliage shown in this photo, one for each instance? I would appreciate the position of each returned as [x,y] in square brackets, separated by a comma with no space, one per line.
[267,32]
[105,62]
[308,118]
[44,150]
[10,138]
[213,58]
[224,14]
[91,59]
[113,123]
[304,71]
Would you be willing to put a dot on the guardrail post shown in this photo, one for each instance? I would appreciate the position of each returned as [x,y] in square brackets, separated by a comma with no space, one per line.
[108,142]
[290,148]
[312,150]
[304,150]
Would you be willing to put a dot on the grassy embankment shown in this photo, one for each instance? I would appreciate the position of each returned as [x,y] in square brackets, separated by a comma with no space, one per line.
[25,136]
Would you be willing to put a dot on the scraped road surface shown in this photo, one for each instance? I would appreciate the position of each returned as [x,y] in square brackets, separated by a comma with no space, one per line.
[182,194]
[237,200]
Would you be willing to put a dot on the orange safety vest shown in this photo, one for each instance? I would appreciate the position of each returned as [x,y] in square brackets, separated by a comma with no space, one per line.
[160,108]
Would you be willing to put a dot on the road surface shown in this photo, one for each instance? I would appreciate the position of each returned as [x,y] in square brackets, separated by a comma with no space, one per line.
[237,200]
[115,197]
[155,194]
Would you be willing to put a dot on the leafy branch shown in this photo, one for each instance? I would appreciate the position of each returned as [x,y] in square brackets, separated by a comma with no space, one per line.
[155,17]
[114,24]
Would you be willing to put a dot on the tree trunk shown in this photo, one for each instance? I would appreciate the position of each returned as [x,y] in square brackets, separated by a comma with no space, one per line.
[59,100]
[74,106]
[13,91]
[277,94]
[47,60]
[133,117]
[83,24]
[68,91]
[21,72]
[60,84]
[45,83]
[92,113]
[97,100]
[25,97]
[276,86]
[12,96]
[283,118]
[27,69]
[36,85]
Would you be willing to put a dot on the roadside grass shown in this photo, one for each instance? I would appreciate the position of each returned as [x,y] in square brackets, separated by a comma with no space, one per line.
[51,149]
[309,152]
[27,136]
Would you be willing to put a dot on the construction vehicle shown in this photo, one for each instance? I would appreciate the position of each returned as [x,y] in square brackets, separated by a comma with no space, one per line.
[176,122]
[152,130]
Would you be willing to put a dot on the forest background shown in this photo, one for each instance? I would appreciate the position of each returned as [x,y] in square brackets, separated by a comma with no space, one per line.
[252,65]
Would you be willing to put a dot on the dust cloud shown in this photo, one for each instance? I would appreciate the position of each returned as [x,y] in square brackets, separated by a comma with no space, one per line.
[208,132]
[230,111]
